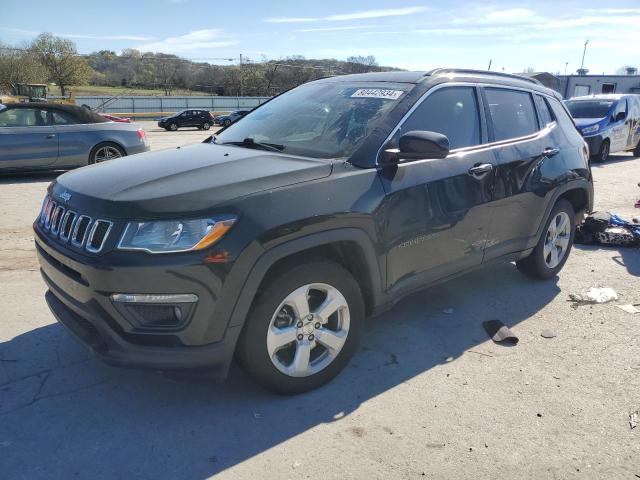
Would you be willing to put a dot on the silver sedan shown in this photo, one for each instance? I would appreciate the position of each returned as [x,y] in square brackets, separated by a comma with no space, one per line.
[43,136]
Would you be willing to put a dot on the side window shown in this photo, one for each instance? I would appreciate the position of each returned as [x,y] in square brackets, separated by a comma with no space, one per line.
[512,113]
[23,117]
[621,109]
[561,114]
[60,118]
[451,111]
[543,109]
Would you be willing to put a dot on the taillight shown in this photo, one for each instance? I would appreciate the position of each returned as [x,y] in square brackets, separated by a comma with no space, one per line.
[141,134]
[211,116]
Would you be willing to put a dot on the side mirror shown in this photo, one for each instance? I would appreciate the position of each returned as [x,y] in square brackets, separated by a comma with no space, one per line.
[419,145]
[620,116]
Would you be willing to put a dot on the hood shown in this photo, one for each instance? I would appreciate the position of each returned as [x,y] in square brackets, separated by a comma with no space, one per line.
[585,122]
[185,180]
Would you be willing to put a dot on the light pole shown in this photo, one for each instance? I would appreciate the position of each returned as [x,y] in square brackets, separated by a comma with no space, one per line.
[584,52]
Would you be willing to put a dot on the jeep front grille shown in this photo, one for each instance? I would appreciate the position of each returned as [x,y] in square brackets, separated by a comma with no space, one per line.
[81,231]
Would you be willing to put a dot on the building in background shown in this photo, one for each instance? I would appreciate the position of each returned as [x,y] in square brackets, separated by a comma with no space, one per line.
[579,85]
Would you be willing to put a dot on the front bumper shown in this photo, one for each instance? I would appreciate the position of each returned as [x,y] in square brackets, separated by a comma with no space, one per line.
[79,297]
[594,142]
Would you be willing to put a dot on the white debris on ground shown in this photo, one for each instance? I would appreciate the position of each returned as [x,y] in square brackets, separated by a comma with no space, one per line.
[595,295]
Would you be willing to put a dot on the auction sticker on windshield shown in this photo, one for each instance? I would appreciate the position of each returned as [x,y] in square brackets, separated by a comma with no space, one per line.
[377,93]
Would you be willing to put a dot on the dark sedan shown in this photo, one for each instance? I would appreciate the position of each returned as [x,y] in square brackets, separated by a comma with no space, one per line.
[36,136]
[226,120]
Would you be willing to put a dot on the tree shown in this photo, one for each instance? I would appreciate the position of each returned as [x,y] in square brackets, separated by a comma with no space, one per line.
[362,64]
[18,65]
[60,57]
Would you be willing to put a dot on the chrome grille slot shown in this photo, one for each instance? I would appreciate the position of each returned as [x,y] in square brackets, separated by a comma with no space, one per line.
[67,225]
[56,219]
[98,235]
[80,230]
[43,210]
[51,206]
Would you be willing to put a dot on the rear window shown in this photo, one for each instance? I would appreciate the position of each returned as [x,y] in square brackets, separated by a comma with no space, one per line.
[512,113]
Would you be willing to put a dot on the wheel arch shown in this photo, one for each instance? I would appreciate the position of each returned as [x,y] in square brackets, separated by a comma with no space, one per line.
[578,192]
[106,142]
[352,248]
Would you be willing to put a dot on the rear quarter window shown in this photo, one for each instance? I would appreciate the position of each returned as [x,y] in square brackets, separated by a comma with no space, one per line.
[512,113]
[561,114]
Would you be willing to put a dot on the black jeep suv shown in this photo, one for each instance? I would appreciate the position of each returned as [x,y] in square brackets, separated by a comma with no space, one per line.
[273,241]
[202,119]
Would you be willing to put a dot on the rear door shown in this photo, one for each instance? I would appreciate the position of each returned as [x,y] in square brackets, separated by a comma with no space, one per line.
[521,142]
[26,139]
[436,211]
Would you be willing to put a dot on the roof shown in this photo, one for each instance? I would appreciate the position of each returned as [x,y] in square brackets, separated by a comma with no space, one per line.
[452,74]
[83,114]
[608,96]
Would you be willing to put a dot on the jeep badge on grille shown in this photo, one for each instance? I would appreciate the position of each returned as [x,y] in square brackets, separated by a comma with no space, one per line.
[66,196]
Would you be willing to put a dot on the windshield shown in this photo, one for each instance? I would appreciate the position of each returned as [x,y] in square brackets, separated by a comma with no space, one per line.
[322,120]
[589,108]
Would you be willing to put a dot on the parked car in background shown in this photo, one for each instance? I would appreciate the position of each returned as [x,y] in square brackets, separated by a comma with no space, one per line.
[48,136]
[202,119]
[226,120]
[275,239]
[609,123]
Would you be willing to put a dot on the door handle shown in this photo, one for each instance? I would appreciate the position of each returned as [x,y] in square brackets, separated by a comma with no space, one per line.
[550,152]
[480,169]
[51,135]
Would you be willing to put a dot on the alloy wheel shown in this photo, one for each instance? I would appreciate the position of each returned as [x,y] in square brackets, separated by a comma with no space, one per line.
[308,330]
[557,240]
[105,153]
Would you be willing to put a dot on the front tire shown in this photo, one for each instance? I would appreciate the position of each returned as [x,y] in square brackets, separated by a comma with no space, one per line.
[226,123]
[554,246]
[603,153]
[172,127]
[303,328]
[636,151]
[206,126]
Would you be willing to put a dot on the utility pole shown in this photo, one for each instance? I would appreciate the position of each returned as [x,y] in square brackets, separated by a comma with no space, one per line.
[584,52]
[566,64]
[489,67]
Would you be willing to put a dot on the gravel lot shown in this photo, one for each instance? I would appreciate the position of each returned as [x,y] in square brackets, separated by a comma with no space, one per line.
[428,396]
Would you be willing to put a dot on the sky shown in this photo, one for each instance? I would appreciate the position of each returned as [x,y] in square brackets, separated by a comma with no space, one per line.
[415,35]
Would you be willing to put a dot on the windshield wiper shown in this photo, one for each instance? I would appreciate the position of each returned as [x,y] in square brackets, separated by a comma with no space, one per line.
[251,143]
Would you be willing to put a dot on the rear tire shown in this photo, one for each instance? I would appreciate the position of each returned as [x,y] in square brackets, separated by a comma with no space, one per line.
[105,151]
[636,151]
[554,246]
[206,126]
[226,123]
[276,364]
[603,153]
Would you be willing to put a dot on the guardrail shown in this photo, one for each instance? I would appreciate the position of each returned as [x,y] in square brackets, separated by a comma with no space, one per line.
[158,106]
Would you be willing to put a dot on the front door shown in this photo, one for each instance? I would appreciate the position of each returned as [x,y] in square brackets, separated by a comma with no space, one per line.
[26,139]
[620,126]
[436,211]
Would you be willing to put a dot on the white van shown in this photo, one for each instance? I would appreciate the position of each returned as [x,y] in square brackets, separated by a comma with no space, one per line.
[608,123]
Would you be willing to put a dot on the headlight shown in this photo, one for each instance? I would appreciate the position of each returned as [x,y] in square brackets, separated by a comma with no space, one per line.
[590,129]
[175,235]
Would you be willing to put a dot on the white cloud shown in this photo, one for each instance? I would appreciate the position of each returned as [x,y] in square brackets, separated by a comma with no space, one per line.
[79,35]
[387,12]
[510,15]
[290,19]
[196,40]
[333,29]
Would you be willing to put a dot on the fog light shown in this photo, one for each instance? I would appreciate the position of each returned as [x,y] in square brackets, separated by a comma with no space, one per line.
[155,311]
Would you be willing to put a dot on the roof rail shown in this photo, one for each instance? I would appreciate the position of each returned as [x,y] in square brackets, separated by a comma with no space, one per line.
[443,71]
